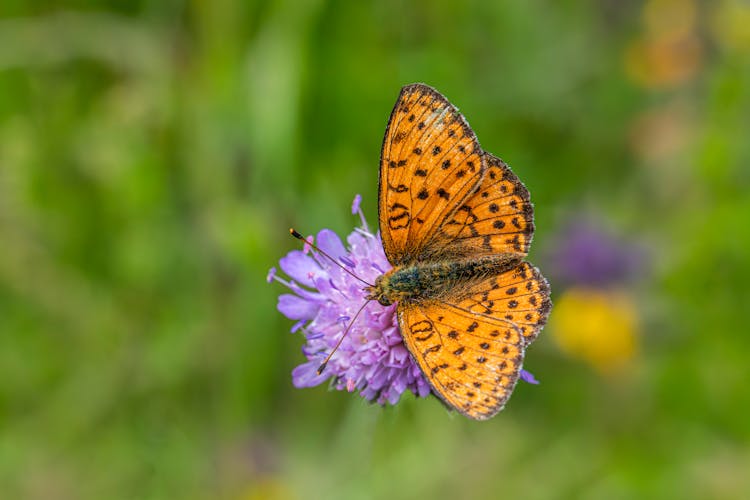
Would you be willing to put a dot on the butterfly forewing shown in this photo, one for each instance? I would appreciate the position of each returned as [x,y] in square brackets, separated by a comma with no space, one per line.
[430,164]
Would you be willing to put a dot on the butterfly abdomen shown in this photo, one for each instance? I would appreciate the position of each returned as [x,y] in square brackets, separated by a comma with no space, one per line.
[424,281]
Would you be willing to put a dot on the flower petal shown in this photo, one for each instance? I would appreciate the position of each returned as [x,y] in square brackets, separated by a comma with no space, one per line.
[393,395]
[306,294]
[423,387]
[294,307]
[398,355]
[330,243]
[306,375]
[300,267]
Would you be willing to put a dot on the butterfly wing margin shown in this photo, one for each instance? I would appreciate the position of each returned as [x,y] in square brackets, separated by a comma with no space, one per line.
[470,354]
[430,162]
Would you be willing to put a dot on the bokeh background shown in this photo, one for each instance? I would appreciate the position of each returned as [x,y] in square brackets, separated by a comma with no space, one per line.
[153,155]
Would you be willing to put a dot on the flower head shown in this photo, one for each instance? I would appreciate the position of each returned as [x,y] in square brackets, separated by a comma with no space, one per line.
[584,254]
[599,327]
[372,358]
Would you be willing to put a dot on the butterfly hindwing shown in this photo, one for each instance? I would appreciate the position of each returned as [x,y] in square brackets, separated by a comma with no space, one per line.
[465,366]
[469,352]
[430,164]
[519,296]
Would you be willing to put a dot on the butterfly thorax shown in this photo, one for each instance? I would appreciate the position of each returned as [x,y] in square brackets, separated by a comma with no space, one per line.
[423,281]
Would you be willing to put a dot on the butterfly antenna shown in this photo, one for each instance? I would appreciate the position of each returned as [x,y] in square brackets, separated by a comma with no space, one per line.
[294,233]
[338,344]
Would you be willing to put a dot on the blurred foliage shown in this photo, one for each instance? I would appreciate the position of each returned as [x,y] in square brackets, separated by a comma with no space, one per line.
[153,154]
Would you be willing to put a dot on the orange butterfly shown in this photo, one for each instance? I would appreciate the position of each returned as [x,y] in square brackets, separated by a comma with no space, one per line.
[456,225]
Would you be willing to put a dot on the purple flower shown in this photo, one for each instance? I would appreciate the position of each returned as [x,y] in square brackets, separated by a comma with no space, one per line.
[356,203]
[271,275]
[372,358]
[584,254]
[528,377]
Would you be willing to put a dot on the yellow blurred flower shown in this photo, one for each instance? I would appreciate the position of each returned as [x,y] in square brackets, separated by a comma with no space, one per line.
[731,25]
[599,327]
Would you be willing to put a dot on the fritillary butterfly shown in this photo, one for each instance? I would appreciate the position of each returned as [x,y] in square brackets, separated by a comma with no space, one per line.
[456,225]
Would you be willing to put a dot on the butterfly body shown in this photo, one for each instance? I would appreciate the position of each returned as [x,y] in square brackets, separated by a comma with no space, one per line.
[425,281]
[456,225]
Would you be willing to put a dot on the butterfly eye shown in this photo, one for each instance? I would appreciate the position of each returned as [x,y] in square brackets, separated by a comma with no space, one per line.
[383,300]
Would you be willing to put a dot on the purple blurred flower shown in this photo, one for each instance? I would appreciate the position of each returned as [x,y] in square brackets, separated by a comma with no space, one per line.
[372,359]
[584,254]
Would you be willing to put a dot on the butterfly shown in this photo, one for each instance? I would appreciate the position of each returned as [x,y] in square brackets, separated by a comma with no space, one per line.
[456,224]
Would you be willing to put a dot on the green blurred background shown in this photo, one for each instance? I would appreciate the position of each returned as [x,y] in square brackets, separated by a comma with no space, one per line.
[153,155]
